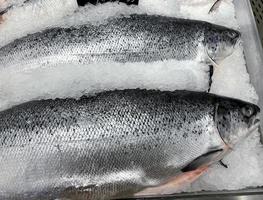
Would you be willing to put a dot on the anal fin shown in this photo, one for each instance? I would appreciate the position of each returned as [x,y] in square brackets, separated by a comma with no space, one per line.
[174,184]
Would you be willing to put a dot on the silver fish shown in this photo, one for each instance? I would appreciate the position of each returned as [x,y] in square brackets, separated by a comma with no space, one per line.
[132,38]
[115,144]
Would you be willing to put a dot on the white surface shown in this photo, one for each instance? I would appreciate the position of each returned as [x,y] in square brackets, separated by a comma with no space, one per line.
[231,79]
[74,81]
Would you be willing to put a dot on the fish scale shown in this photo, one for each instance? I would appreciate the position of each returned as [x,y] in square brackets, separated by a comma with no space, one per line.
[134,38]
[113,144]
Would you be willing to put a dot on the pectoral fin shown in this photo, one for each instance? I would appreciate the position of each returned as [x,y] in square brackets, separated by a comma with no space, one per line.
[173,185]
[206,159]
[213,62]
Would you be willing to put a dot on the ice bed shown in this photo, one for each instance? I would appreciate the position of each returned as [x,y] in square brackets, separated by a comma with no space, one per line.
[250,182]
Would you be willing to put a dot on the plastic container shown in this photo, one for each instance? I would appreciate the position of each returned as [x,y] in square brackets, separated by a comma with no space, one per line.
[252,47]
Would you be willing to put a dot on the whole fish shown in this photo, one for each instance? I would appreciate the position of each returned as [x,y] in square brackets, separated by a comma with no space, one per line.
[134,38]
[115,144]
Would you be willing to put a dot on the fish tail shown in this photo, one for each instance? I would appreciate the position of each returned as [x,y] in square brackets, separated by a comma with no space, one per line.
[215,6]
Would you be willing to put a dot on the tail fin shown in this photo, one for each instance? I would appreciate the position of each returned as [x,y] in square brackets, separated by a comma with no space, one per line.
[215,6]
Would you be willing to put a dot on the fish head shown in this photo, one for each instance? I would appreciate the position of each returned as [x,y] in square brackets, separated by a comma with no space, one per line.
[235,120]
[221,42]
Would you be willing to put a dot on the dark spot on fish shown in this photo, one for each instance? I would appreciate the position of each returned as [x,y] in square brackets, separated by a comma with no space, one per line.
[4,140]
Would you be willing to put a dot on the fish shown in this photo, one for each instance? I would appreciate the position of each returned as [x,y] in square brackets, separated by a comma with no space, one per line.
[134,38]
[117,144]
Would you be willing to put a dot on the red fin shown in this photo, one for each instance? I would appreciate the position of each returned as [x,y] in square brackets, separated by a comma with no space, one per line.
[174,184]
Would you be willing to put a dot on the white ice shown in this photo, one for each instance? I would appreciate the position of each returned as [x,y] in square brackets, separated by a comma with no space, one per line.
[230,79]
[74,81]
[32,17]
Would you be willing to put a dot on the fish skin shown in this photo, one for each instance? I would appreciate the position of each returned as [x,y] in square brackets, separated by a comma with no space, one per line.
[113,144]
[134,38]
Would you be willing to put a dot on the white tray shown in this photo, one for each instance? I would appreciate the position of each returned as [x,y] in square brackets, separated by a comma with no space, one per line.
[252,47]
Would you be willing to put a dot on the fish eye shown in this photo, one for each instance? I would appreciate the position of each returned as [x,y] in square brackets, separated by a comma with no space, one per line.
[248,111]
